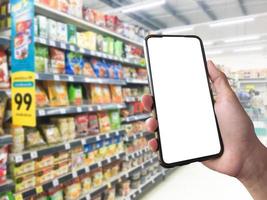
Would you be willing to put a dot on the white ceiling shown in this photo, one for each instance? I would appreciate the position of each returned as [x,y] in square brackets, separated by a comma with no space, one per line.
[200,13]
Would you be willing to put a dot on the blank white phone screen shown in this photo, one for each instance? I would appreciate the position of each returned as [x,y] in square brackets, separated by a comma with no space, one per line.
[187,124]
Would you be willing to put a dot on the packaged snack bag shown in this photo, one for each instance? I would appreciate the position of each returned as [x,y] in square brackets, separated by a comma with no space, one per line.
[96,94]
[99,68]
[3,103]
[72,34]
[73,191]
[115,120]
[71,128]
[116,93]
[57,61]
[81,122]
[42,26]
[100,42]
[62,32]
[52,29]
[33,138]
[75,8]
[41,96]
[106,45]
[4,76]
[57,93]
[44,175]
[88,69]
[18,136]
[74,63]
[111,22]
[75,94]
[63,126]
[86,183]
[118,71]
[51,134]
[88,14]
[93,127]
[97,176]
[63,5]
[106,94]
[110,45]
[118,48]
[45,161]
[104,123]
[91,40]
[111,71]
[41,58]
[99,18]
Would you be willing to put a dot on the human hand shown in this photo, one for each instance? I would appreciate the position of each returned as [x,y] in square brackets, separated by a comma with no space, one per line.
[241,146]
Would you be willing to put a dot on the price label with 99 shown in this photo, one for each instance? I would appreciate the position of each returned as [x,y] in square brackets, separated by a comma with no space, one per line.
[23,99]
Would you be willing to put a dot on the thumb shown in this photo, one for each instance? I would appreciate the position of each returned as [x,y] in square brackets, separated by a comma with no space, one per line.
[218,79]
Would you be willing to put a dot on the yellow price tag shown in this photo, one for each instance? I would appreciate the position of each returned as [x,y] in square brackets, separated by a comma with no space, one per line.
[23,99]
[109,185]
[39,189]
[18,197]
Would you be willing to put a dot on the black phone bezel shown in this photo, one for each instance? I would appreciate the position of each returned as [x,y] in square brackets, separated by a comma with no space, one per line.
[184,162]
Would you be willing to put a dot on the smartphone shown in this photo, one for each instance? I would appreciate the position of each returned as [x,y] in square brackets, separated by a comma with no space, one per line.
[188,130]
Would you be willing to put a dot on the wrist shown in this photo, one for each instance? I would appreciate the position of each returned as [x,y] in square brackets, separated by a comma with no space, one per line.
[253,174]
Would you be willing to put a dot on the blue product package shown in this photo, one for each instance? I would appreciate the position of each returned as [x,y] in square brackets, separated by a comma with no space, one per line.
[99,68]
[117,68]
[74,63]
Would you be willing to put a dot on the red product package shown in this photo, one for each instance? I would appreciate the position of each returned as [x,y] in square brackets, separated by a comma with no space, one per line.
[88,15]
[4,76]
[93,124]
[3,154]
[137,108]
[111,22]
[81,122]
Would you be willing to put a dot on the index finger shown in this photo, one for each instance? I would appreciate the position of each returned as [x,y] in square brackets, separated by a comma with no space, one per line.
[147,101]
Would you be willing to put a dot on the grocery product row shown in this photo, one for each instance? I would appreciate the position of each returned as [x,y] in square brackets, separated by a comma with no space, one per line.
[66,133]
[110,22]
[68,34]
[80,166]
[80,14]
[55,62]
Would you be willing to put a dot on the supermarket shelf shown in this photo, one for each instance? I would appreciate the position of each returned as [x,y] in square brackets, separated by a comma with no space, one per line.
[136,118]
[6,139]
[65,178]
[33,154]
[77,79]
[116,179]
[63,17]
[132,99]
[136,136]
[7,186]
[136,81]
[75,48]
[143,187]
[49,111]
[253,80]
[137,154]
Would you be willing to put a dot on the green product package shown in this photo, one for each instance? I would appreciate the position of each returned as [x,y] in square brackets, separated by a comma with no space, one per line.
[118,48]
[115,120]
[110,45]
[105,45]
[72,34]
[75,94]
[57,196]
[41,58]
[7,196]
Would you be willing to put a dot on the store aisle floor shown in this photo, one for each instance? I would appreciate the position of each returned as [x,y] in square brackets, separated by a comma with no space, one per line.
[196,182]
